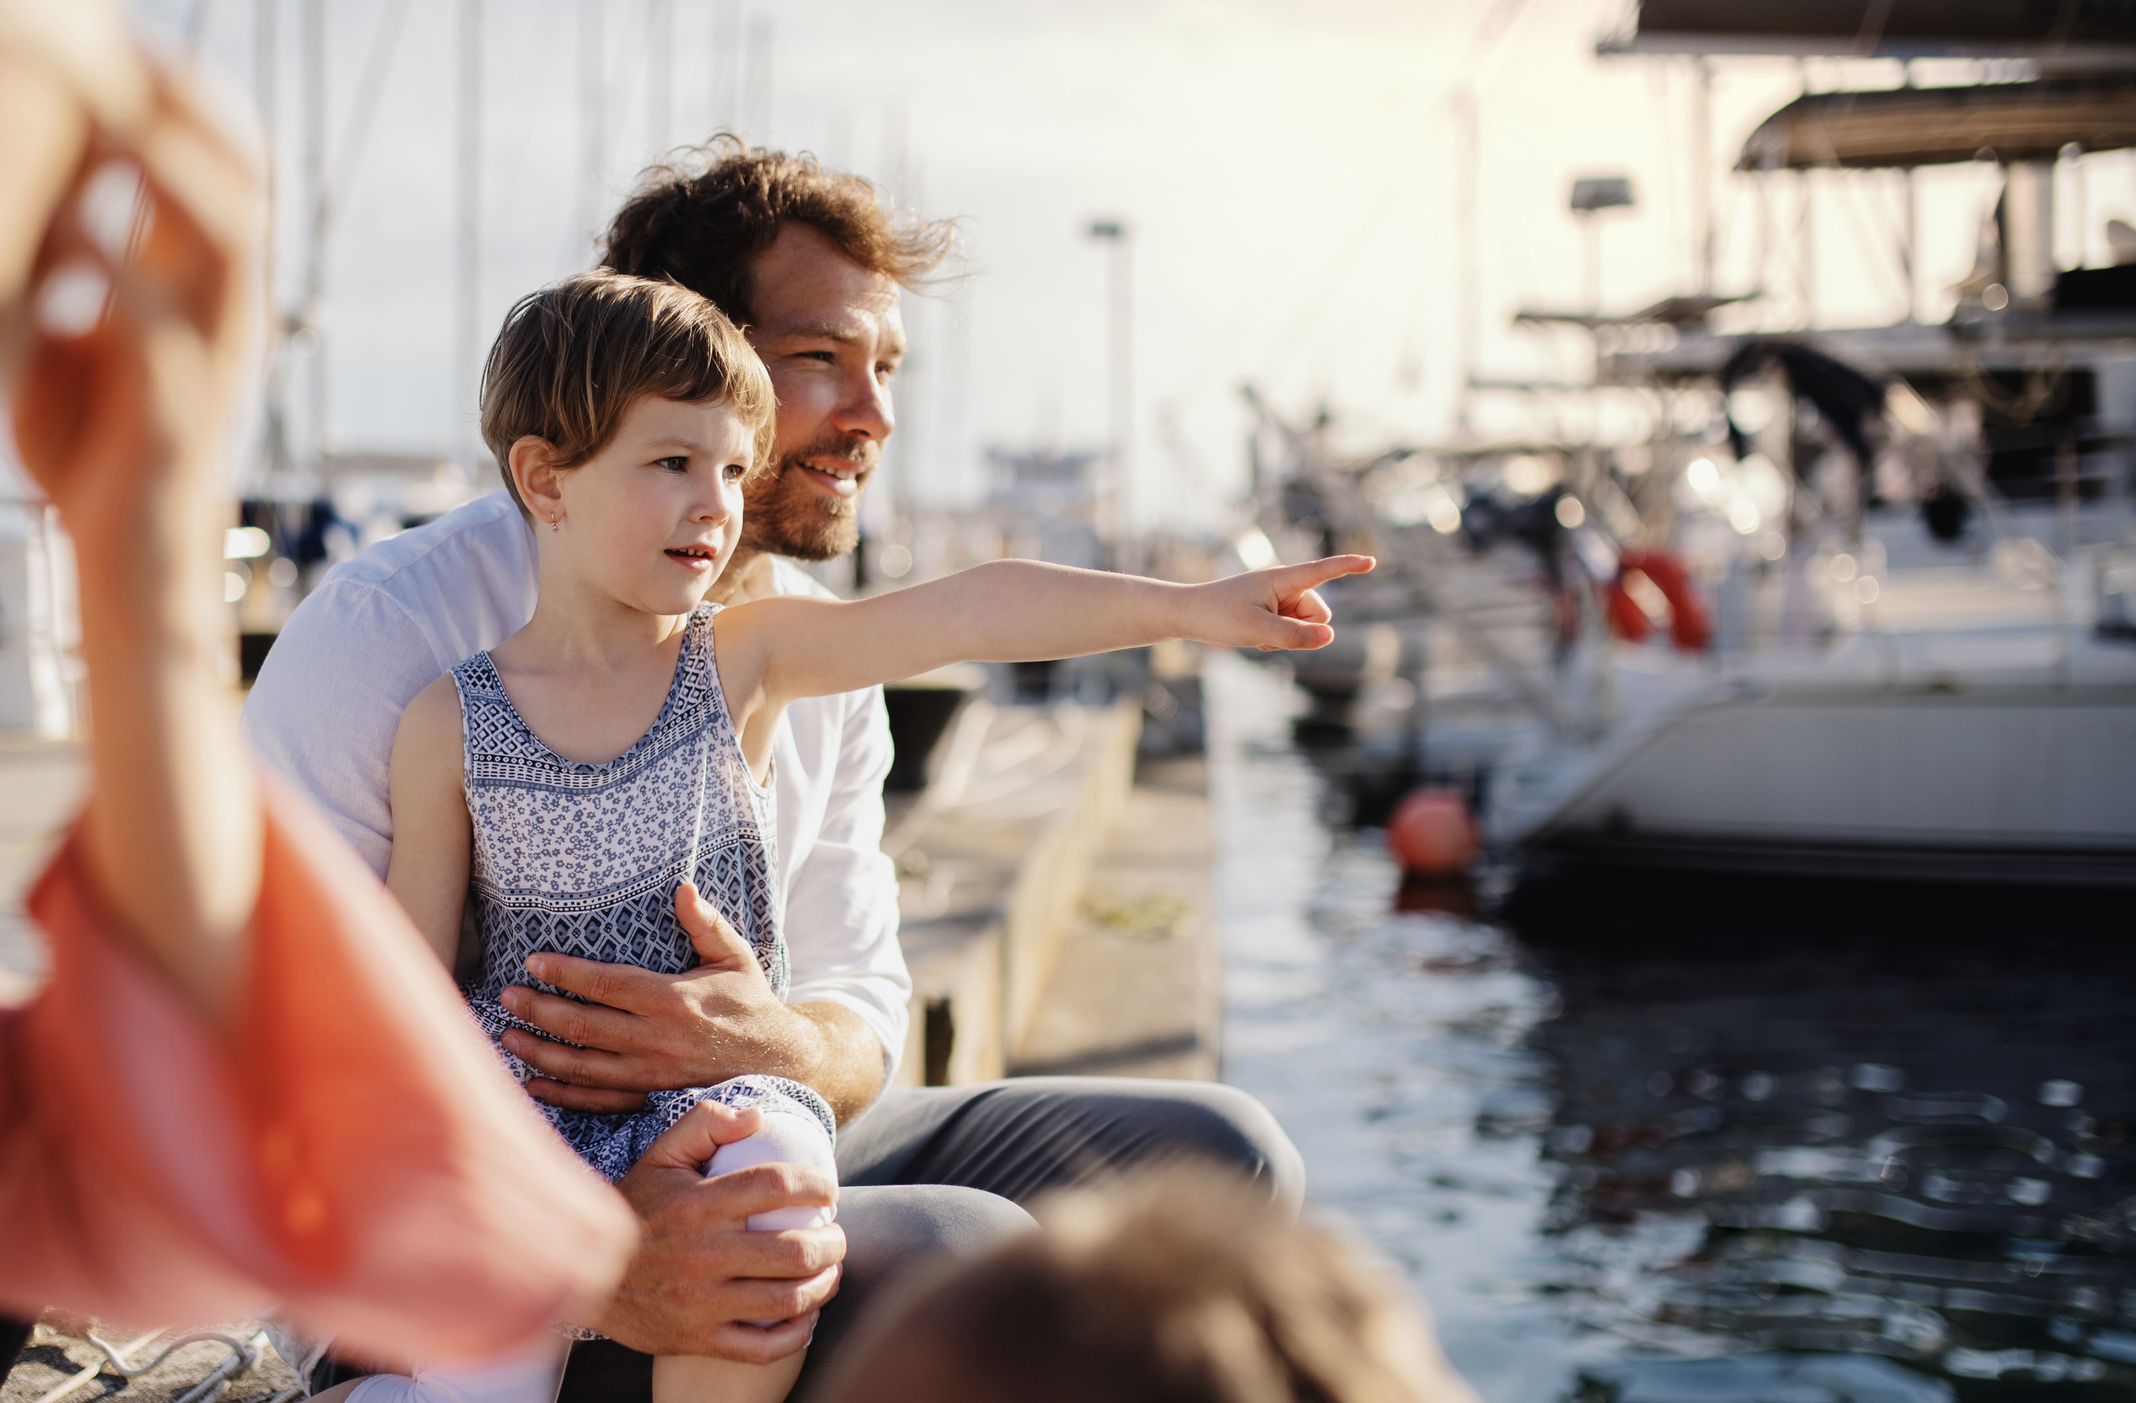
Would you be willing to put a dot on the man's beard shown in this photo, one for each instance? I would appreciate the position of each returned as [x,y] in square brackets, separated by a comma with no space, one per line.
[789,517]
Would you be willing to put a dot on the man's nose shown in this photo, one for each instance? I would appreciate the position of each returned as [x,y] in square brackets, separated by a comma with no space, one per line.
[864,408]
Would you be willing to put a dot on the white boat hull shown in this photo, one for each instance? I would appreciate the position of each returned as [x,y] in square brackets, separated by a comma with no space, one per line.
[2021,783]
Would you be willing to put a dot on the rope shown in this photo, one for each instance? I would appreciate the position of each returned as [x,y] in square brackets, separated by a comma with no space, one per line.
[244,1353]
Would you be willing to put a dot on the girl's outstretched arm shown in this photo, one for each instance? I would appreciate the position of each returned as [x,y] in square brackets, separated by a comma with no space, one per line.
[773,651]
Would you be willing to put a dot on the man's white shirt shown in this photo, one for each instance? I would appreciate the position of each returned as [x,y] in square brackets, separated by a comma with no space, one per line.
[385,625]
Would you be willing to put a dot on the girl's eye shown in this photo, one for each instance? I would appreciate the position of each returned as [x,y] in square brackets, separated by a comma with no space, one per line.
[676,465]
[735,472]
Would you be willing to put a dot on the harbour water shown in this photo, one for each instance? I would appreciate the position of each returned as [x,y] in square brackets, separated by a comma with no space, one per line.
[1655,1141]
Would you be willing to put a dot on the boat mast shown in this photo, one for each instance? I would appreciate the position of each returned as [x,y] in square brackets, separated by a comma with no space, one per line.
[1910,255]
[1469,326]
[756,81]
[2028,230]
[1702,171]
[726,85]
[274,444]
[1805,228]
[593,102]
[309,318]
[660,80]
[465,344]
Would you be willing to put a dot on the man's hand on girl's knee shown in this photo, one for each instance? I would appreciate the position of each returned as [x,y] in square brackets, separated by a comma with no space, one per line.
[699,1273]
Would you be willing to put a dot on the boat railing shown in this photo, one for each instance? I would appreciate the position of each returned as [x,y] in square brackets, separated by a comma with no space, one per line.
[1349,514]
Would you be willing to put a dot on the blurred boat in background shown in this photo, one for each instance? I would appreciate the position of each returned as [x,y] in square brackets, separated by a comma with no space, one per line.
[1857,602]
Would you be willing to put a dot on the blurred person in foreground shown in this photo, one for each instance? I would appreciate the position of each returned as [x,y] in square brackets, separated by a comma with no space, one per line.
[246,1081]
[811,263]
[1179,1285]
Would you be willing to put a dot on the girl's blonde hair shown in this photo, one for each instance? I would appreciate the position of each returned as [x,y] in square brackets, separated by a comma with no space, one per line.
[573,357]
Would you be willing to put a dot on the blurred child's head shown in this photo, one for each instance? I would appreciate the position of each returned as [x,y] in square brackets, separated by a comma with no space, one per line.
[1186,1285]
[625,415]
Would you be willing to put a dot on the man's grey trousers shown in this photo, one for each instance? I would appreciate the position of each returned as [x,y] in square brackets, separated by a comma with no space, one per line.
[947,1170]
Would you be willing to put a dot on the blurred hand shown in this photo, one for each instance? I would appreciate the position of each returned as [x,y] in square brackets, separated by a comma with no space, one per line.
[1273,609]
[135,324]
[122,334]
[700,1275]
[64,69]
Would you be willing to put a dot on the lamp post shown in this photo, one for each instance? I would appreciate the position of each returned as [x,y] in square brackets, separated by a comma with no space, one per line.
[1110,495]
[1589,196]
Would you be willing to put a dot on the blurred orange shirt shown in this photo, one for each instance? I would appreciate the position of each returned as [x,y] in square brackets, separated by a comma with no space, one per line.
[353,1156]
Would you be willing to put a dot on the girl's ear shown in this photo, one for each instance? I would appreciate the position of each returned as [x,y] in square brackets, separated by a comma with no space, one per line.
[540,482]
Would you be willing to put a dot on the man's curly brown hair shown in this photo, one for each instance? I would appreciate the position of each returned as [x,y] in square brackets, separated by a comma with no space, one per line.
[702,219]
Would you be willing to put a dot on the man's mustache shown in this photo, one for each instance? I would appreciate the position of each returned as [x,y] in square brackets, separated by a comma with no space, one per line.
[860,453]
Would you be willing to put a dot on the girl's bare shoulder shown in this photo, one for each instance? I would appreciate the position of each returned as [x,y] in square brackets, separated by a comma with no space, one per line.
[431,726]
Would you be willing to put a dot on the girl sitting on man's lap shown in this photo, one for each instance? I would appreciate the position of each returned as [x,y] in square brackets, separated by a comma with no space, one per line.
[575,777]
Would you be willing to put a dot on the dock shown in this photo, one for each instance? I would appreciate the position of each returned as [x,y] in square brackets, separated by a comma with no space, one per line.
[1056,903]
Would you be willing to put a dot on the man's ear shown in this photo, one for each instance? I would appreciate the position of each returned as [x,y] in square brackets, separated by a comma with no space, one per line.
[532,464]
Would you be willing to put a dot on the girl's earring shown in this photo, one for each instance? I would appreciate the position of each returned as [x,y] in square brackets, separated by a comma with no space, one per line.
[557,525]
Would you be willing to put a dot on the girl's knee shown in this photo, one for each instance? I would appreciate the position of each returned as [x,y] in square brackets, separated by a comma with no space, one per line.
[786,1138]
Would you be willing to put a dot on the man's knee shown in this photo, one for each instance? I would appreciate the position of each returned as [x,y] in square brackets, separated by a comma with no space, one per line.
[890,1228]
[1225,1125]
[1026,1136]
[1128,1123]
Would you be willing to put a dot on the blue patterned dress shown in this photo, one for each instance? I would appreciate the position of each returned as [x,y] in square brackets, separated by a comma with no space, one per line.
[577,859]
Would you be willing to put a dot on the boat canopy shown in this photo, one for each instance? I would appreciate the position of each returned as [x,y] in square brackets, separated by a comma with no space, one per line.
[1938,126]
[2067,31]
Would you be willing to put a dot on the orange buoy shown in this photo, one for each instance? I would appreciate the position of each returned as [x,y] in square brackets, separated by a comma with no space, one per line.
[1690,627]
[1625,615]
[1432,832]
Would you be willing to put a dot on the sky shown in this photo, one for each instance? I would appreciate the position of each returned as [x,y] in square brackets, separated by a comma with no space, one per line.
[1290,173]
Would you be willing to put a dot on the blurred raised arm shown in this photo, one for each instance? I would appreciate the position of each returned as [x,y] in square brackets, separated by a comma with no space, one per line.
[125,269]
[130,329]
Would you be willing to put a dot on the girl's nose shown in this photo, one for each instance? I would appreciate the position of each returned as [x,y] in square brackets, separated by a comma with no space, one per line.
[716,508]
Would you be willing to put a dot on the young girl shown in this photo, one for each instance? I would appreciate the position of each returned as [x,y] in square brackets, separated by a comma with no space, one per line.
[572,778]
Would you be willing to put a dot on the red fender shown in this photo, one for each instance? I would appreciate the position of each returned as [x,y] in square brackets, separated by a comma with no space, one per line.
[1690,626]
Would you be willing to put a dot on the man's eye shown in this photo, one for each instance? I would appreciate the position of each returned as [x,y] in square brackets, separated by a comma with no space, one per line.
[886,371]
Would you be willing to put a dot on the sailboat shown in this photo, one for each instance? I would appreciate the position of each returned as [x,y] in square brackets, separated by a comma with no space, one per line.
[1860,605]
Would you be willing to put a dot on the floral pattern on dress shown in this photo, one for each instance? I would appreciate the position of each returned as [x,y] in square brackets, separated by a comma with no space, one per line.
[580,859]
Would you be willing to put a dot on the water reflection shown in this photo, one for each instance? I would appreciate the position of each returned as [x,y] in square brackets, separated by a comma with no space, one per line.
[1648,1141]
[1892,1123]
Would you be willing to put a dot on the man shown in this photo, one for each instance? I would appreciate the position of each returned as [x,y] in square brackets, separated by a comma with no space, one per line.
[811,266]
